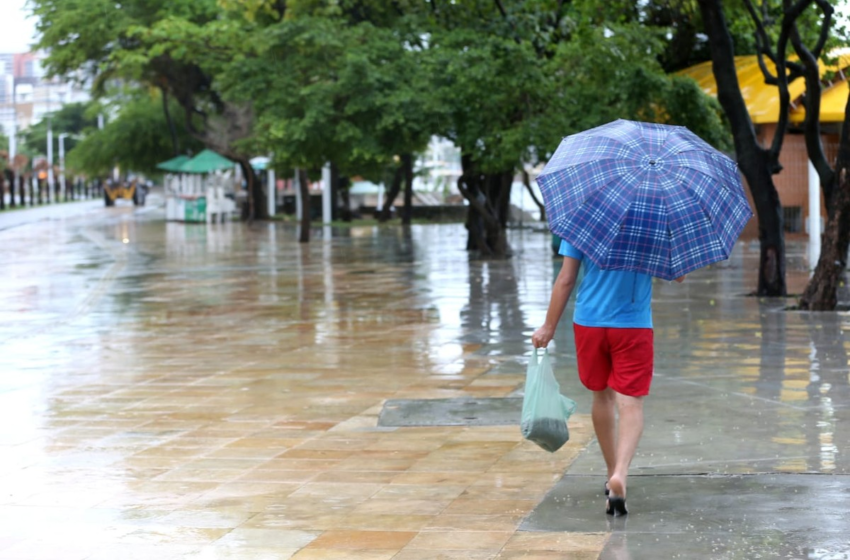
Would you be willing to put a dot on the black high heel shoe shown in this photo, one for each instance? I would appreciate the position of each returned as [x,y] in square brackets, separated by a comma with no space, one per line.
[607,490]
[616,505]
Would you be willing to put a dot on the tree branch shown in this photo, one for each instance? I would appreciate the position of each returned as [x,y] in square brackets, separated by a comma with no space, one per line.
[501,8]
[827,10]
[504,13]
[762,43]
[789,22]
[814,145]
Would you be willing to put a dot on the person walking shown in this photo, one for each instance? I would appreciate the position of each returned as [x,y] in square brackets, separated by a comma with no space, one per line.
[631,201]
[612,324]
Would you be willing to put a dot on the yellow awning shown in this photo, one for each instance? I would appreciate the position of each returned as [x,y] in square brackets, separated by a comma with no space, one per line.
[762,100]
[833,101]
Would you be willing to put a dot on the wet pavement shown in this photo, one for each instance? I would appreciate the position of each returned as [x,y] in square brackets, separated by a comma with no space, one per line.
[193,391]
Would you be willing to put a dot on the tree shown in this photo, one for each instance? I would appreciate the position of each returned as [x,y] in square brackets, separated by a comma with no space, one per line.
[531,73]
[758,164]
[137,139]
[805,25]
[175,46]
[325,88]
[821,293]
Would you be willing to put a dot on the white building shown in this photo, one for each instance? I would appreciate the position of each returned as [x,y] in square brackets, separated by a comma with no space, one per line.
[26,95]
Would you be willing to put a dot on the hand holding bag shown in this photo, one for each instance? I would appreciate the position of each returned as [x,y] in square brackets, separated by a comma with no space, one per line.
[545,410]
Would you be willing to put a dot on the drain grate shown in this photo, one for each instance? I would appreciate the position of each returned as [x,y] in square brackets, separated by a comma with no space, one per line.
[450,412]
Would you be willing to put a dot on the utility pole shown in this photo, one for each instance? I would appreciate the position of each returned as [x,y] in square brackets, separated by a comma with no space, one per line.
[50,178]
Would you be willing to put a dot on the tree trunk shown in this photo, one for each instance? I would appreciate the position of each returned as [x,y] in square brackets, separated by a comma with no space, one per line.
[2,191]
[257,202]
[757,164]
[407,166]
[486,218]
[395,188]
[821,293]
[175,142]
[345,212]
[304,189]
[771,278]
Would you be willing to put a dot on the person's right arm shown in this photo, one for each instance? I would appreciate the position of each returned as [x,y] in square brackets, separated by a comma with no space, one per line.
[561,292]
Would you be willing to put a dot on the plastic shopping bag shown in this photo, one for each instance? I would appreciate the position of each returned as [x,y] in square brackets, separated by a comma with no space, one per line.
[545,410]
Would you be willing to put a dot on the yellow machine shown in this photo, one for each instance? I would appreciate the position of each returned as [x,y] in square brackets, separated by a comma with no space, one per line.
[131,191]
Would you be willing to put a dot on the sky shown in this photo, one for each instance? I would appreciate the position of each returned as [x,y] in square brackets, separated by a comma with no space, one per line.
[16,29]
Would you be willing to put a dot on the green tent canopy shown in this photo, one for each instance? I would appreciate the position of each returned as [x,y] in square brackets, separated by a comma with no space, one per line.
[173,164]
[206,162]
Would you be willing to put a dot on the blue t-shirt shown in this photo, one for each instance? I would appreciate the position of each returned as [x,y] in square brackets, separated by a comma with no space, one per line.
[610,298]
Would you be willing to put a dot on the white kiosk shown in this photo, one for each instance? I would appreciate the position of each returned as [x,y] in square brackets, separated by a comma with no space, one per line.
[197,189]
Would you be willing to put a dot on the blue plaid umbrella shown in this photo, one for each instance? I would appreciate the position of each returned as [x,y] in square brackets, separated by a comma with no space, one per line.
[644,197]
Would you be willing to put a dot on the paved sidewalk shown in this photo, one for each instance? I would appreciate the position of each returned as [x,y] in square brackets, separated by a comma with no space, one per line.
[194,391]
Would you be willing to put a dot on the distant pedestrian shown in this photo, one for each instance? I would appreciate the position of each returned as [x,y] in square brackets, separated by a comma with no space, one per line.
[612,324]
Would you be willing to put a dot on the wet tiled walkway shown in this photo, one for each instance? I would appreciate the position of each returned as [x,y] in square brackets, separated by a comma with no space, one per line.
[213,392]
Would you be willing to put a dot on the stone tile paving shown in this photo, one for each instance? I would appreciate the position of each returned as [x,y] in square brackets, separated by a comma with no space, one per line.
[193,391]
[175,391]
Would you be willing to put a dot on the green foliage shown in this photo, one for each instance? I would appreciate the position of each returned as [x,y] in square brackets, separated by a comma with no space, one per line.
[496,91]
[136,140]
[361,82]
[323,90]
[94,35]
[633,86]
[71,119]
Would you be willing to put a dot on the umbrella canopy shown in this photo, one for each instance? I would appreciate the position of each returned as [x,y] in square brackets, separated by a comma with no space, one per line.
[644,197]
[206,162]
[173,164]
[260,163]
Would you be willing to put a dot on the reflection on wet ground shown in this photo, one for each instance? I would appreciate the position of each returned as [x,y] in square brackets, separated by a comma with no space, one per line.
[194,391]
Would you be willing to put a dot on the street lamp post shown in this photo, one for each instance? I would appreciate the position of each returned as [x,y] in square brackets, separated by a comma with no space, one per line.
[12,139]
[62,189]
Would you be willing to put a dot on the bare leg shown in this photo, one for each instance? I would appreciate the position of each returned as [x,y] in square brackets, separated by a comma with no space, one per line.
[604,418]
[629,430]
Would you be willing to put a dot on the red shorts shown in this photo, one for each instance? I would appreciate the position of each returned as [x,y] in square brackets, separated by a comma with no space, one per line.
[616,358]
